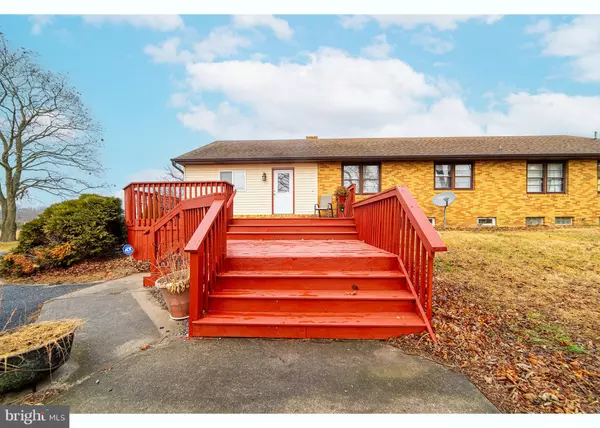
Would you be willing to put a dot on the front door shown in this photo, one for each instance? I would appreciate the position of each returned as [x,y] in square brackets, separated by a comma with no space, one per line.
[283,191]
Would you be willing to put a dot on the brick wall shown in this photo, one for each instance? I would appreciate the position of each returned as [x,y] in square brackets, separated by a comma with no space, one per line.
[499,191]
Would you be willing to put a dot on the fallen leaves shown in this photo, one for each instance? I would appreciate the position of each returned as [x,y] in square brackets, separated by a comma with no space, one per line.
[493,347]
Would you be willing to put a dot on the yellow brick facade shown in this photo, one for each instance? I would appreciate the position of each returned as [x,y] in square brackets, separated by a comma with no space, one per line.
[500,191]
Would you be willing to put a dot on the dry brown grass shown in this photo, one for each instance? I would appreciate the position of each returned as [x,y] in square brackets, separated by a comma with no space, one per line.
[33,336]
[8,246]
[552,274]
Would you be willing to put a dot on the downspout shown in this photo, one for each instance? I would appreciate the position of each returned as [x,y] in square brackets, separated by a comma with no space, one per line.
[177,167]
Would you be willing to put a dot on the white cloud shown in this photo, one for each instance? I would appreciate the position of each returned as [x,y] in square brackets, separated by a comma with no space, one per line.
[335,94]
[166,52]
[221,42]
[39,22]
[178,99]
[380,49]
[539,27]
[152,22]
[280,27]
[440,22]
[354,22]
[431,43]
[578,40]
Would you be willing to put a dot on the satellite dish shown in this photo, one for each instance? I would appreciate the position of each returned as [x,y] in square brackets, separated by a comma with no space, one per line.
[443,200]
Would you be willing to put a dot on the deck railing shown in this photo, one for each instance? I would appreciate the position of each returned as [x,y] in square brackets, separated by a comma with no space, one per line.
[393,221]
[348,204]
[151,202]
[207,249]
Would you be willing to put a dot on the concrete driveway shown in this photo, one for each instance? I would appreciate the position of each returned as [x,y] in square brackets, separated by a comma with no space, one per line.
[108,372]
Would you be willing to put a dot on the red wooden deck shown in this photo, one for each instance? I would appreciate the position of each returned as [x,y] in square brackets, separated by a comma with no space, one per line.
[365,276]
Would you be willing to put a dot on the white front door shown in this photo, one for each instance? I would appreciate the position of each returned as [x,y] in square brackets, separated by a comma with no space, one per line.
[283,191]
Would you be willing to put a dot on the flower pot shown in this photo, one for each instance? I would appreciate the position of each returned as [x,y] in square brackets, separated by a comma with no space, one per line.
[341,199]
[27,368]
[177,303]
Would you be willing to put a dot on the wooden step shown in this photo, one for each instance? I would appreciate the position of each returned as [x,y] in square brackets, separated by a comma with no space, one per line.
[274,221]
[295,228]
[381,325]
[291,236]
[312,255]
[309,280]
[322,301]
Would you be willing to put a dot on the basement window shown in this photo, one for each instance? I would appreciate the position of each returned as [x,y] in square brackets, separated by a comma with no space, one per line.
[237,178]
[563,221]
[431,220]
[534,221]
[486,221]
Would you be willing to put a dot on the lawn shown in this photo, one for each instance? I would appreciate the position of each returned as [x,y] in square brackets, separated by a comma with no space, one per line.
[7,246]
[518,312]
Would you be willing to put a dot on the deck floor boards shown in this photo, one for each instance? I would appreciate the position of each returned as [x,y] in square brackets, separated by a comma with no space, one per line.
[308,248]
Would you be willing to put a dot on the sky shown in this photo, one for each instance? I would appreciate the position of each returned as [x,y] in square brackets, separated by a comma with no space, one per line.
[162,85]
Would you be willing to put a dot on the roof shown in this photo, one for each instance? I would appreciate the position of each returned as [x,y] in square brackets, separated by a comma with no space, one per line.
[509,147]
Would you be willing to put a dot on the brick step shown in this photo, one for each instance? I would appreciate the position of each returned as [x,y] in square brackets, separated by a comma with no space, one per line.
[292,236]
[381,325]
[309,280]
[293,228]
[273,221]
[304,301]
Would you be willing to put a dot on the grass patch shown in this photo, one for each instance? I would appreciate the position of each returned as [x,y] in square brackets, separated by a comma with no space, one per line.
[8,246]
[517,311]
[553,274]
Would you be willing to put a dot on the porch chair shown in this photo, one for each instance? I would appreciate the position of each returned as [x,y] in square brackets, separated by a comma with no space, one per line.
[326,204]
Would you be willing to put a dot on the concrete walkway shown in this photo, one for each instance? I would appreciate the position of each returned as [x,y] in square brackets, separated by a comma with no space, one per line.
[110,374]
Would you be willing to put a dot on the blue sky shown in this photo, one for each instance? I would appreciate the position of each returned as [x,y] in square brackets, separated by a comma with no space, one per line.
[163,85]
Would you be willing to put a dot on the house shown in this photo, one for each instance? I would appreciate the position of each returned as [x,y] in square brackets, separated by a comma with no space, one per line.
[503,181]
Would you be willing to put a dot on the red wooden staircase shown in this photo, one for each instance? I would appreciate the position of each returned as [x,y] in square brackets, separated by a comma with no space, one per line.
[368,276]
[289,287]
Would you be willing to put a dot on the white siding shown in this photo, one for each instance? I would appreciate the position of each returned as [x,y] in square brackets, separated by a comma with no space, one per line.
[257,199]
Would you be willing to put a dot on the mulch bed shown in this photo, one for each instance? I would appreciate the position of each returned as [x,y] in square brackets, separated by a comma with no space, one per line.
[86,271]
[518,362]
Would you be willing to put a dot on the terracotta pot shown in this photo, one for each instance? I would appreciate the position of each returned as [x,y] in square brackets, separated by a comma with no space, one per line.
[178,304]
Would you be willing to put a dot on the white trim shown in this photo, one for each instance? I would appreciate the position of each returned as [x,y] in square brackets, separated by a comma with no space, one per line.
[486,224]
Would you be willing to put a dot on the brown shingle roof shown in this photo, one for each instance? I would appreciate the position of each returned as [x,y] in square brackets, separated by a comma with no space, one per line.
[550,146]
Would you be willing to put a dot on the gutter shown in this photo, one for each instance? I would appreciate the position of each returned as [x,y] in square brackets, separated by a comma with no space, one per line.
[536,156]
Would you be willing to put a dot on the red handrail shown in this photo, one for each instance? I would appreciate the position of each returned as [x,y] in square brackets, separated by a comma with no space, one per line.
[146,202]
[348,210]
[393,221]
[170,233]
[207,249]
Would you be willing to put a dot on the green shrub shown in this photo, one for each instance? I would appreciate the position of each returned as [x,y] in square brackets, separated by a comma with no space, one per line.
[91,226]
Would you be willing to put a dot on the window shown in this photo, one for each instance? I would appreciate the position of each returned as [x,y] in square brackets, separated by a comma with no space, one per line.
[534,221]
[486,221]
[431,220]
[454,176]
[563,221]
[237,178]
[366,178]
[546,177]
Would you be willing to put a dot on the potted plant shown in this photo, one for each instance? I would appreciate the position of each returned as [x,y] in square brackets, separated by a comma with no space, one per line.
[31,352]
[174,285]
[341,193]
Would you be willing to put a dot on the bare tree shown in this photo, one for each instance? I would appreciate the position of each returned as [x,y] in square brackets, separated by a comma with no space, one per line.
[49,140]
[172,174]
